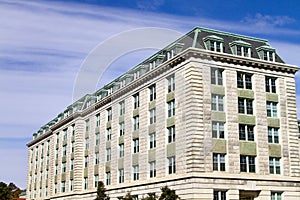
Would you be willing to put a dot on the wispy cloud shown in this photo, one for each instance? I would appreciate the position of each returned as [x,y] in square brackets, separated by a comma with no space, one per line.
[261,20]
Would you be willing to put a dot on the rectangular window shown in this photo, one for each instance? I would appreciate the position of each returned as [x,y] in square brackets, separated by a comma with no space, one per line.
[219,195]
[63,167]
[121,150]
[136,123]
[273,136]
[171,83]
[245,106]
[108,134]
[56,171]
[73,130]
[65,150]
[171,134]
[216,76]
[108,154]
[152,140]
[152,90]
[96,158]
[218,162]
[107,177]
[136,101]
[85,183]
[87,125]
[135,172]
[172,165]
[57,140]
[217,102]
[97,138]
[121,175]
[96,180]
[122,128]
[274,164]
[136,145]
[65,133]
[271,109]
[71,185]
[270,84]
[122,107]
[247,164]
[97,120]
[72,147]
[86,160]
[72,165]
[171,108]
[243,51]
[246,132]
[86,143]
[152,116]
[244,80]
[109,114]
[152,168]
[218,130]
[63,186]
[276,195]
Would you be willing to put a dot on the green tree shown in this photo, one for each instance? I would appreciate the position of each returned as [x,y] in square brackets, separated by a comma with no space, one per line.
[168,194]
[128,196]
[101,192]
[151,196]
[5,192]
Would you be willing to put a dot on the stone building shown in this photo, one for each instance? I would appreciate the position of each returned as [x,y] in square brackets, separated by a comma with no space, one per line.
[212,115]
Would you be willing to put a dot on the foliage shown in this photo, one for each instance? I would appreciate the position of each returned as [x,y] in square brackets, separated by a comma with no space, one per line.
[101,192]
[168,194]
[151,196]
[8,192]
[128,196]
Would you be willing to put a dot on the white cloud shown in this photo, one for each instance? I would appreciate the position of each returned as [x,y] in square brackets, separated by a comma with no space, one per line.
[264,21]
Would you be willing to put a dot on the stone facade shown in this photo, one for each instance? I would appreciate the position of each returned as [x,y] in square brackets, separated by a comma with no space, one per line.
[193,147]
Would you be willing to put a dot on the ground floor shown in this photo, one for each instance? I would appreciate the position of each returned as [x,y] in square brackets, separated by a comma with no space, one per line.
[206,187]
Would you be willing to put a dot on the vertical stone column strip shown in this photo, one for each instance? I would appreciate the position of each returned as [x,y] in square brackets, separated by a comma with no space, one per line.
[292,128]
[78,154]
[51,165]
[261,130]
[29,167]
[233,158]
[194,118]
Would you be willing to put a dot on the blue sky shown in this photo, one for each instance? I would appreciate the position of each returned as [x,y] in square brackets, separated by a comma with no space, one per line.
[43,44]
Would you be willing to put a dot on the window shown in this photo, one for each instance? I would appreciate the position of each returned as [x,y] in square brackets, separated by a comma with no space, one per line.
[215,46]
[245,106]
[136,145]
[217,102]
[270,84]
[86,160]
[136,123]
[171,134]
[56,171]
[247,164]
[121,175]
[122,107]
[152,90]
[268,55]
[218,162]
[244,80]
[65,133]
[246,132]
[96,180]
[55,188]
[63,167]
[108,134]
[96,158]
[243,51]
[109,114]
[73,130]
[122,128]
[172,165]
[65,150]
[171,83]
[57,139]
[72,165]
[216,76]
[121,150]
[97,138]
[135,172]
[152,116]
[97,120]
[63,186]
[271,109]
[273,135]
[85,183]
[87,125]
[274,164]
[71,185]
[219,195]
[108,154]
[86,143]
[218,130]
[152,140]
[171,108]
[72,147]
[136,101]
[276,195]
[152,166]
[107,177]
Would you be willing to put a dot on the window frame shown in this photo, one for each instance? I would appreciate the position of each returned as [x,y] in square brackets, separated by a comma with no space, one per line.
[246,132]
[272,109]
[248,165]
[218,133]
[216,76]
[152,92]
[171,83]
[171,165]
[275,165]
[171,108]
[217,102]
[219,162]
[245,106]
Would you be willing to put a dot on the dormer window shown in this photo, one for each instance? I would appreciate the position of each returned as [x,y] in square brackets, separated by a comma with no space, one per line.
[136,74]
[241,48]
[214,43]
[266,53]
[170,54]
[173,50]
